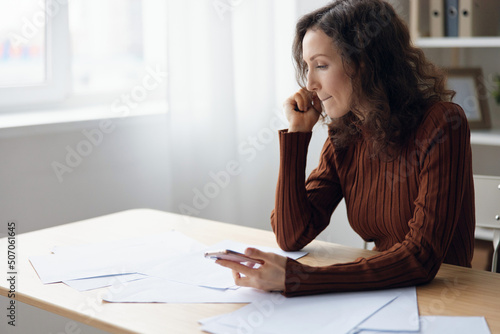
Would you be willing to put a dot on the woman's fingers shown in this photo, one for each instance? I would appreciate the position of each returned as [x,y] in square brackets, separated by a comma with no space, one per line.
[269,276]
[241,280]
[255,253]
[237,270]
[300,101]
[304,99]
[241,268]
[317,103]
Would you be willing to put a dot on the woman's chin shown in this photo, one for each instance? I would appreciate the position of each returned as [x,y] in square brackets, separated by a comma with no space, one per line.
[335,113]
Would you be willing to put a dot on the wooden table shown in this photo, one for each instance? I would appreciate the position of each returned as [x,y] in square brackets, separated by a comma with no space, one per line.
[455,291]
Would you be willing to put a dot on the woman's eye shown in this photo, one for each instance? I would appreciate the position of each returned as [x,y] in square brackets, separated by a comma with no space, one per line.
[318,67]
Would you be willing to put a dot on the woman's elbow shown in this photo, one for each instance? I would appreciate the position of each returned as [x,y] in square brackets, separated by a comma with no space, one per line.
[426,276]
[288,245]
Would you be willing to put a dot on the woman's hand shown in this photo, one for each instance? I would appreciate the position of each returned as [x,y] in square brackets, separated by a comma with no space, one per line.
[309,106]
[270,276]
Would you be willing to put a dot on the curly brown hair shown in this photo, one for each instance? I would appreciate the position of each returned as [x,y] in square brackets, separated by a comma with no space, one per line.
[391,76]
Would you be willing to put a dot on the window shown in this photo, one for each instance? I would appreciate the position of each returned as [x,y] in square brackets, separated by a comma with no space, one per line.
[22,46]
[79,52]
[34,60]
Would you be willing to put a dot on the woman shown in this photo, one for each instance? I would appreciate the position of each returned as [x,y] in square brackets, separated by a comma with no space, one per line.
[397,153]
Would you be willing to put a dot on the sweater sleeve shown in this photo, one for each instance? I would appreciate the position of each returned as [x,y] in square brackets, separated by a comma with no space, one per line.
[444,157]
[303,209]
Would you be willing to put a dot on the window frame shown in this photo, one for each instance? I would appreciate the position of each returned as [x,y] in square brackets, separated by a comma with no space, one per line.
[57,64]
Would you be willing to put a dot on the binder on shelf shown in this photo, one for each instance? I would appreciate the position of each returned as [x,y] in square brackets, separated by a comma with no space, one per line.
[437,17]
[451,18]
[419,19]
[479,18]
[414,22]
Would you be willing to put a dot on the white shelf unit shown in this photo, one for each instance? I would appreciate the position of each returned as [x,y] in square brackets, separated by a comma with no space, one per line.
[458,42]
[418,23]
[489,137]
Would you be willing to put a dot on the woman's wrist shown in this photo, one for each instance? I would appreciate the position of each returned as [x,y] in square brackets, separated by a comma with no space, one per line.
[293,128]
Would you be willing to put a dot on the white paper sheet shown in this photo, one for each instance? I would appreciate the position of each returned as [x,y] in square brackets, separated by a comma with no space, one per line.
[330,313]
[211,325]
[158,290]
[85,284]
[195,269]
[171,241]
[443,324]
[117,257]
[399,315]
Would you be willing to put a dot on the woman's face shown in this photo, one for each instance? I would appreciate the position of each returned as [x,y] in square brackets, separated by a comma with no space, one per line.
[326,75]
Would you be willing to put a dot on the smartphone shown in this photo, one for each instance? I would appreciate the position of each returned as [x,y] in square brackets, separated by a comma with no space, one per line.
[230,255]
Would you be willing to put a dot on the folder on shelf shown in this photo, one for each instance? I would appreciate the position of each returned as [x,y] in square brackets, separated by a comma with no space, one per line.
[451,18]
[479,18]
[419,19]
[414,19]
[436,18]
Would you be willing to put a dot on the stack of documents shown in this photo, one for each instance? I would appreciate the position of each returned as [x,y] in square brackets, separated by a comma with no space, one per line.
[191,278]
[92,266]
[164,268]
[374,312]
[389,310]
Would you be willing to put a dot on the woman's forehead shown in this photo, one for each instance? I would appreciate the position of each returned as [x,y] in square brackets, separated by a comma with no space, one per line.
[316,43]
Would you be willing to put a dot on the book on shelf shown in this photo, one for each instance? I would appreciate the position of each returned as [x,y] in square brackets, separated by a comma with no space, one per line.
[454,18]
[436,18]
[451,18]
[419,18]
[479,18]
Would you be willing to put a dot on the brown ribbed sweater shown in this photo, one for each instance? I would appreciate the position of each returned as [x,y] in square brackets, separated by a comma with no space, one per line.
[418,209]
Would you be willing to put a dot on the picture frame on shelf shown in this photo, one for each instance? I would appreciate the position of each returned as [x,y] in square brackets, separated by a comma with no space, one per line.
[471,95]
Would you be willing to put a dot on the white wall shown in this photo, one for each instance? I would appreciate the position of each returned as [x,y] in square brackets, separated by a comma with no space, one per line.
[131,168]
[127,169]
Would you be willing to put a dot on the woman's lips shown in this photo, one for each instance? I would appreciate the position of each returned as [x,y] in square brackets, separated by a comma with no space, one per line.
[326,99]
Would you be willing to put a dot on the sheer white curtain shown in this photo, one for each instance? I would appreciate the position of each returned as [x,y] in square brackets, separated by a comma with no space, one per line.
[229,70]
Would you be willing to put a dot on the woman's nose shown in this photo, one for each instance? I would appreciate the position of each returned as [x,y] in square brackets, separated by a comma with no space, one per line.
[312,83]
